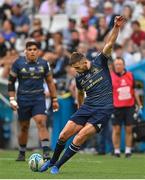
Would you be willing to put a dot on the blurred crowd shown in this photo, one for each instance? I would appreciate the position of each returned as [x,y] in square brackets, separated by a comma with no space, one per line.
[77,26]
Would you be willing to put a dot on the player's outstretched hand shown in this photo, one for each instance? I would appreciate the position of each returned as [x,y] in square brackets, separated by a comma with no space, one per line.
[119,21]
[55,106]
[13,103]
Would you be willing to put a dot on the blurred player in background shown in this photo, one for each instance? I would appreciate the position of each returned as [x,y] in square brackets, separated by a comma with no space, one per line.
[124,96]
[31,71]
[94,110]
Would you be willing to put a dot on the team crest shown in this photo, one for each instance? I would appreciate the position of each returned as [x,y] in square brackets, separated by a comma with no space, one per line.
[23,70]
[41,69]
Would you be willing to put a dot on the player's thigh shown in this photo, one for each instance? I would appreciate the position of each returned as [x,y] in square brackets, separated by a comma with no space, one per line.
[118,117]
[24,125]
[70,129]
[129,116]
[39,108]
[40,120]
[87,131]
[128,129]
[116,129]
[24,111]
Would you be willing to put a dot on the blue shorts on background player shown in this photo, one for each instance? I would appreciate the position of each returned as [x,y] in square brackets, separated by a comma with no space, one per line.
[93,78]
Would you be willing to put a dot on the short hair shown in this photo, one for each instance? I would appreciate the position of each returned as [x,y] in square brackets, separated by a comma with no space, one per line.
[31,43]
[120,58]
[72,20]
[76,57]
[117,46]
[136,23]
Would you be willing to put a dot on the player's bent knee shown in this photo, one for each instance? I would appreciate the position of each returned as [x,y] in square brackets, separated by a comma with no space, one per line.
[24,128]
[63,136]
[41,124]
[80,139]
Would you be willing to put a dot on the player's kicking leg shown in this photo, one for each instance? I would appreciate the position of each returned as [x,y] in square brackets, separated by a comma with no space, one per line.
[69,130]
[74,147]
[22,139]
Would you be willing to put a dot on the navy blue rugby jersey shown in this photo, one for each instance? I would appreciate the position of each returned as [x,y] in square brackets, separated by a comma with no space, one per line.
[30,76]
[97,84]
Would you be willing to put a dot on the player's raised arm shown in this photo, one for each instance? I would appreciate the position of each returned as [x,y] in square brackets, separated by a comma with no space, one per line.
[119,21]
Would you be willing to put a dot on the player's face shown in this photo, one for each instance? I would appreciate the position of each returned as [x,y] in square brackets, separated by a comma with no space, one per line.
[32,53]
[80,66]
[119,66]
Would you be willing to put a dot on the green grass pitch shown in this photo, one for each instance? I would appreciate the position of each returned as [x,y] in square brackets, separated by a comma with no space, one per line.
[81,166]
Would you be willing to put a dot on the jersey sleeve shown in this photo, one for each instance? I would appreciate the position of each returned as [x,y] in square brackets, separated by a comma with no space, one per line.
[79,87]
[47,69]
[15,69]
[102,59]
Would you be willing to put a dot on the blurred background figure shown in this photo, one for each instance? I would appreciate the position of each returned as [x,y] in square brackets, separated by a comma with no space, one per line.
[124,97]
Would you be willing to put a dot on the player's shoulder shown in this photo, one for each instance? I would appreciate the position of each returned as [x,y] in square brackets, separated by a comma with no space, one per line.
[129,74]
[42,61]
[20,60]
[102,55]
[79,76]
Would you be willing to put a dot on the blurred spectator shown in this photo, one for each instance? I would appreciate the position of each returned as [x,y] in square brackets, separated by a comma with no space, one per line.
[142,19]
[102,29]
[123,37]
[118,6]
[3,46]
[109,14]
[37,25]
[38,36]
[92,18]
[138,8]
[60,63]
[72,7]
[55,40]
[75,40]
[9,33]
[67,32]
[48,7]
[36,6]
[7,61]
[128,52]
[27,6]
[88,34]
[84,8]
[143,52]
[20,20]
[61,6]
[138,36]
[5,11]
[117,51]
[82,48]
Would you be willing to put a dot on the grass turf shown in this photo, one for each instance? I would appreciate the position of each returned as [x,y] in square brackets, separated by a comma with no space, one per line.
[81,166]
